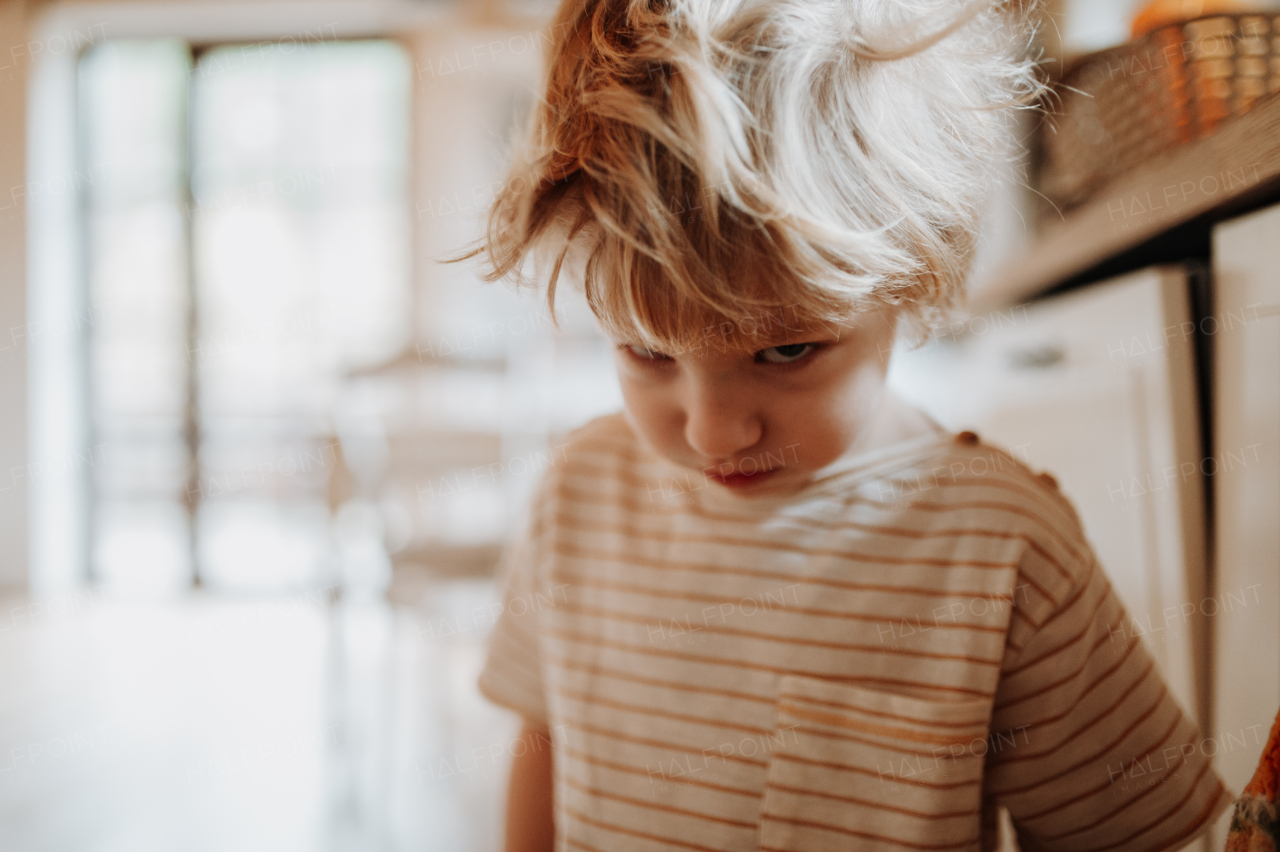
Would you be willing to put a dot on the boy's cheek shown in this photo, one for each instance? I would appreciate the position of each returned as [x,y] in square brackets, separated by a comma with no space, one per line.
[644,414]
[658,423]
[638,404]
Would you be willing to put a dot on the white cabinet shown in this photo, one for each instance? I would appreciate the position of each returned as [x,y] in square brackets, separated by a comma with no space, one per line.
[1097,386]
[1246,440]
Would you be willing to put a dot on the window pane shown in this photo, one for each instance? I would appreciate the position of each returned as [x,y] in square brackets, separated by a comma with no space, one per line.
[133,111]
[301,240]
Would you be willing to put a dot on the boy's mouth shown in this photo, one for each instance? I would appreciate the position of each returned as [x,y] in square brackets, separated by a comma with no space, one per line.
[738,480]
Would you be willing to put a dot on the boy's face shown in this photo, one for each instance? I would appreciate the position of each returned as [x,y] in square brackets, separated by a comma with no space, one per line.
[761,420]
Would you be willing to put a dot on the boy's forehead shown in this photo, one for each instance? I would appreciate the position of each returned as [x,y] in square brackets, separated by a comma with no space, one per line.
[755,330]
[748,332]
[763,329]
[758,323]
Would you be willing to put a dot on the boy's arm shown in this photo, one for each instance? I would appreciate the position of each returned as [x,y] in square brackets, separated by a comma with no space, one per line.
[1089,749]
[529,825]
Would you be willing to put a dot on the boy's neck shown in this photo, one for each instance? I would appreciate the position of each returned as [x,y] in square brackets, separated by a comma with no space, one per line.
[894,422]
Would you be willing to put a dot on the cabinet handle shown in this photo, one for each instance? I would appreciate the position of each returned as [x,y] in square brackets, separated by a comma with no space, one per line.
[1035,358]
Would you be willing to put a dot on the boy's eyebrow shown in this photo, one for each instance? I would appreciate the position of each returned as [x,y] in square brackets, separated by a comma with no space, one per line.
[791,336]
[729,337]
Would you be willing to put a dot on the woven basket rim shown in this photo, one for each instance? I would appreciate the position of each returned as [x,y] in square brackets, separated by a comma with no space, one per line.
[1073,65]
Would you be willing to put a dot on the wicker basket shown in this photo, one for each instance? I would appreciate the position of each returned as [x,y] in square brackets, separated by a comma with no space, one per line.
[1120,107]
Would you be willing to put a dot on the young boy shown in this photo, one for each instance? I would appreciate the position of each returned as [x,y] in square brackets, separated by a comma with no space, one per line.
[769,605]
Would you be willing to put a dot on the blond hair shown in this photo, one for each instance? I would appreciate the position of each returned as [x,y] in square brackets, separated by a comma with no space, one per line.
[696,160]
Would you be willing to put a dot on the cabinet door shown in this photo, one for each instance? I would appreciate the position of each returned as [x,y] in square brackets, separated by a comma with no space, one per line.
[1246,487]
[1097,386]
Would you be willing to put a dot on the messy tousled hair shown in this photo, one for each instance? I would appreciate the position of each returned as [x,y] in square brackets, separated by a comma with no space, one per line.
[696,160]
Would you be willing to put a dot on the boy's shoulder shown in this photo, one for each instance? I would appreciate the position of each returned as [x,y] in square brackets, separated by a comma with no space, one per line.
[984,486]
[970,463]
[979,466]
[603,432]
[606,441]
[603,448]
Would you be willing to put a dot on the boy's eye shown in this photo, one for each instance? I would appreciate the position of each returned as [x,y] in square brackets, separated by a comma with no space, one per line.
[647,354]
[788,354]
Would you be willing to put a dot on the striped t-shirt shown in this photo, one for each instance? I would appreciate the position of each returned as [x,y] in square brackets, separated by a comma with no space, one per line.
[878,662]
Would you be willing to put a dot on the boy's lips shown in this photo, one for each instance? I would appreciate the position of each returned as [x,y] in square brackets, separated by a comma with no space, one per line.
[738,480]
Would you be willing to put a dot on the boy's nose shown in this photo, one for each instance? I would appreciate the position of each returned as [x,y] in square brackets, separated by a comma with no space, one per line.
[720,428]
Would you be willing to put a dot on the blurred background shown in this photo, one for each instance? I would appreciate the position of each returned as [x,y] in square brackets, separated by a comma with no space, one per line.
[260,449]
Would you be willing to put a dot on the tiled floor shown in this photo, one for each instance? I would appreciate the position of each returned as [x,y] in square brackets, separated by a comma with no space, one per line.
[219,724]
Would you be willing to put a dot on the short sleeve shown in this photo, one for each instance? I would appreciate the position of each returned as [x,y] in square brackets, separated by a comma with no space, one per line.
[512,673]
[1088,748]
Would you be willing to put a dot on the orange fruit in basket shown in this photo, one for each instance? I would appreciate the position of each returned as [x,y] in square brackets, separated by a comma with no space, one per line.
[1254,824]
[1159,13]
